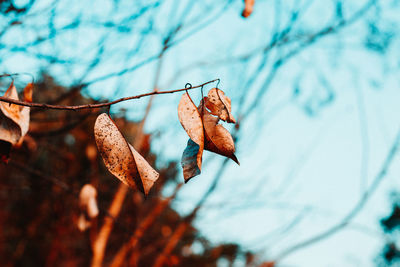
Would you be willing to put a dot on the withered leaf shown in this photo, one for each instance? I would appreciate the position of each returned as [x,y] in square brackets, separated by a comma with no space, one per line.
[218,139]
[88,205]
[189,160]
[28,91]
[14,122]
[120,158]
[191,121]
[248,8]
[83,223]
[147,174]
[219,105]
[18,114]
[9,130]
[87,200]
[115,151]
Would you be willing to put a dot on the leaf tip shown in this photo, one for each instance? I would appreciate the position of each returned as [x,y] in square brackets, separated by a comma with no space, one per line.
[234,158]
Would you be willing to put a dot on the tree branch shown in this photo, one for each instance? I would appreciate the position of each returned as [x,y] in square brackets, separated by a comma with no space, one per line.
[99,105]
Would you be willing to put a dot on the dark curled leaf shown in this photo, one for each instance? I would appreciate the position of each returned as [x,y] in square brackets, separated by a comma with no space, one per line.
[189,161]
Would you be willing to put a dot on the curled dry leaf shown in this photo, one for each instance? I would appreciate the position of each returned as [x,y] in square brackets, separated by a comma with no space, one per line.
[115,151]
[219,105]
[248,8]
[191,121]
[87,200]
[147,174]
[14,122]
[217,138]
[120,158]
[9,131]
[189,160]
[28,91]
[89,208]
[18,114]
[83,223]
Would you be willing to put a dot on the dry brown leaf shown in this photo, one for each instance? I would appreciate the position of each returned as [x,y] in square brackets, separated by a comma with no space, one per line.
[205,133]
[120,158]
[147,174]
[87,200]
[115,152]
[88,205]
[191,121]
[218,139]
[189,160]
[248,8]
[14,122]
[82,223]
[267,264]
[16,113]
[28,91]
[9,130]
[219,105]
[11,110]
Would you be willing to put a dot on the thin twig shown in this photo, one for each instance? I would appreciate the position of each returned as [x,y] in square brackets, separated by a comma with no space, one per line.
[99,105]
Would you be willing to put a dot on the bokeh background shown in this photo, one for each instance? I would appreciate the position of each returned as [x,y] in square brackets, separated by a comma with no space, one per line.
[315,90]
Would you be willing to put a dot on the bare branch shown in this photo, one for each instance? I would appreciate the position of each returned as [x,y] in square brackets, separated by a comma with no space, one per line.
[99,105]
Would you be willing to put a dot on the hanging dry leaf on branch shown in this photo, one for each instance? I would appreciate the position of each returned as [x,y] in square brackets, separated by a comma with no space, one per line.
[218,139]
[88,205]
[28,92]
[191,121]
[201,124]
[219,105]
[14,121]
[248,8]
[120,158]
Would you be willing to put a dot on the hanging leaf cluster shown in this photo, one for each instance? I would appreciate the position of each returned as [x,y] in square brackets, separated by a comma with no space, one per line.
[202,126]
[14,121]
